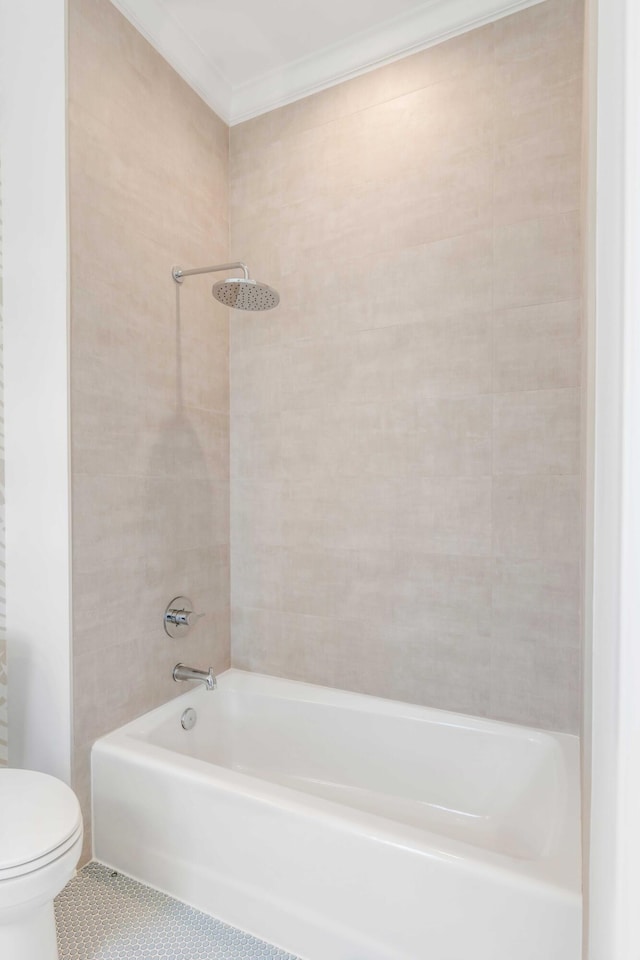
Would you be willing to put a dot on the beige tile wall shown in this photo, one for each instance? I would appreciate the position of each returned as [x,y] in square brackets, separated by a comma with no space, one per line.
[405,426]
[149,375]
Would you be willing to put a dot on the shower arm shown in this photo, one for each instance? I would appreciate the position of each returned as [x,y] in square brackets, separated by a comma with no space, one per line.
[179,274]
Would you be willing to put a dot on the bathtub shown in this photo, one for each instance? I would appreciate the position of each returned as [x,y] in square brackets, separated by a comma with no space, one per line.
[345,827]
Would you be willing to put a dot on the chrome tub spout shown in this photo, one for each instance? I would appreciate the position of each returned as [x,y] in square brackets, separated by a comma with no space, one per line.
[180,672]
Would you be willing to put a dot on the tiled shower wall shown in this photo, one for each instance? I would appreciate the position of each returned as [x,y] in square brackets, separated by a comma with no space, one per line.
[149,375]
[405,426]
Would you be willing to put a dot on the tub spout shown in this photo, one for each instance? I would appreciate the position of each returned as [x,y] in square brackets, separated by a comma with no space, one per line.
[180,672]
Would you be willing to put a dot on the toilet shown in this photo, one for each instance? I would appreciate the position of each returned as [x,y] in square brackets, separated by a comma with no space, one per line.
[40,845]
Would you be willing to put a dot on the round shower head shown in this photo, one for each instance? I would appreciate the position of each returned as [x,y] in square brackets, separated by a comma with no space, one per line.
[245,294]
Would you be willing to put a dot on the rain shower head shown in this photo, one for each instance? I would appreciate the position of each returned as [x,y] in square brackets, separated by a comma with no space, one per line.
[243,293]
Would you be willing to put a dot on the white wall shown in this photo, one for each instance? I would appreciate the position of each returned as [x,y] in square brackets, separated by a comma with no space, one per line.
[4,718]
[33,144]
[612,693]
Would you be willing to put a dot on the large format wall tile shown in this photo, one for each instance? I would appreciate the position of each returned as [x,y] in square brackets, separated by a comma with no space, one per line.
[405,426]
[537,261]
[536,517]
[149,375]
[536,432]
[537,347]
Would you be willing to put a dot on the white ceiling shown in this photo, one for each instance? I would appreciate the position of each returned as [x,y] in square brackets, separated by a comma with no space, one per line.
[245,57]
[250,37]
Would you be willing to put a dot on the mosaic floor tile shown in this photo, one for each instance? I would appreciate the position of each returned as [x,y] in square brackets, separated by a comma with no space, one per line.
[102,915]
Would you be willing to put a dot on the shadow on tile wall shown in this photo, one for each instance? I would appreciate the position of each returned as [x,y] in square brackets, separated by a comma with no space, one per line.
[149,375]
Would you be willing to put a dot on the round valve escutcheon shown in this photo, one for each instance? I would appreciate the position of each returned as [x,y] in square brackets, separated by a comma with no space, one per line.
[179,617]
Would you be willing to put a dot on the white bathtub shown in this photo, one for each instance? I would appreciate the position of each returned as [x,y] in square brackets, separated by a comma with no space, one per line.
[346,827]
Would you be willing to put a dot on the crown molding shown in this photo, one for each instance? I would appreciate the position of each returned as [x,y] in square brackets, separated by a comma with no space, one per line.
[422,27]
[160,27]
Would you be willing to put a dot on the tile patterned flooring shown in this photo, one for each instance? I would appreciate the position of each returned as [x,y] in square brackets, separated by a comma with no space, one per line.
[102,915]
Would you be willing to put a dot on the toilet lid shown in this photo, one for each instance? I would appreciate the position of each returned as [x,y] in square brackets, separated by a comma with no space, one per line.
[38,813]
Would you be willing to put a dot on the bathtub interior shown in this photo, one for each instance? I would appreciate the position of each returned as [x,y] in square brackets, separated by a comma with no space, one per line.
[339,825]
[494,786]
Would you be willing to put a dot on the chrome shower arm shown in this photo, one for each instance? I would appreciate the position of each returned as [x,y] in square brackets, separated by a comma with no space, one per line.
[179,274]
[242,293]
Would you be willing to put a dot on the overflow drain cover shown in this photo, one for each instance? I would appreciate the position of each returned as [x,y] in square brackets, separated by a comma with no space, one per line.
[188,719]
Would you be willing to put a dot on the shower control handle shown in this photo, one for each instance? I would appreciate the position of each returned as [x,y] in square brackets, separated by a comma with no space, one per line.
[179,617]
[184,617]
